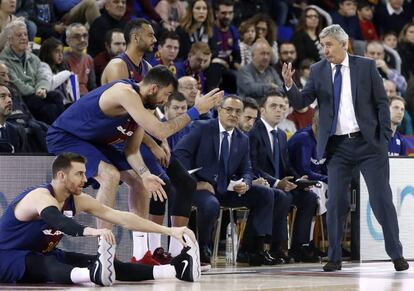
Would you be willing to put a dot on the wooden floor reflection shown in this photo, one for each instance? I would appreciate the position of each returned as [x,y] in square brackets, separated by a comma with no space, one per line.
[378,276]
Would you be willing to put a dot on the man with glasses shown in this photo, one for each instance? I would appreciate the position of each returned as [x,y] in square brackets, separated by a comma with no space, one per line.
[79,62]
[221,151]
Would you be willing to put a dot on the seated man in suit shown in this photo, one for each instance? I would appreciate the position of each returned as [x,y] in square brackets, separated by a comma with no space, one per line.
[12,136]
[222,151]
[275,167]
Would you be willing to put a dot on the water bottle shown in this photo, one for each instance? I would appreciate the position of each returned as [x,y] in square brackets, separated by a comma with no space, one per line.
[229,245]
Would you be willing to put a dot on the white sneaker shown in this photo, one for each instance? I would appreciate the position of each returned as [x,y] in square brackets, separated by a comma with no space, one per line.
[102,271]
[187,264]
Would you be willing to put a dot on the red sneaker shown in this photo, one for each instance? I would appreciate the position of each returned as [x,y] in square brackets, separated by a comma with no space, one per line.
[162,256]
[147,259]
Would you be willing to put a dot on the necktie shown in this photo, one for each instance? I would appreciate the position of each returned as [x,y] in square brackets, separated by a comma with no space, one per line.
[337,84]
[276,154]
[224,158]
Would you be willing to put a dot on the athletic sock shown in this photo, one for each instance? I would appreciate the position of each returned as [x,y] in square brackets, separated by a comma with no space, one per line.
[80,275]
[175,247]
[154,241]
[140,240]
[164,272]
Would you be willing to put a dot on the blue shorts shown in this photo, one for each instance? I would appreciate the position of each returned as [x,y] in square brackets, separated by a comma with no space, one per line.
[13,263]
[59,141]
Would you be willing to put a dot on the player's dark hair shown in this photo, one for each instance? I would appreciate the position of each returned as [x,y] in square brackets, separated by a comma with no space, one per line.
[161,76]
[64,161]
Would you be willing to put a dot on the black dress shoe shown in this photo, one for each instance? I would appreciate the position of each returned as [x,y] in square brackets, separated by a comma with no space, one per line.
[401,264]
[276,260]
[280,254]
[332,266]
[304,254]
[263,258]
[205,254]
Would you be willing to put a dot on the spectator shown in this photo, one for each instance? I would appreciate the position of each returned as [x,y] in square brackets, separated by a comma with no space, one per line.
[258,78]
[140,39]
[287,53]
[24,8]
[171,13]
[288,126]
[306,36]
[249,115]
[79,62]
[397,146]
[196,26]
[266,28]
[390,39]
[12,136]
[365,13]
[168,47]
[111,18]
[77,11]
[346,17]
[301,117]
[406,50]
[223,69]
[406,126]
[7,10]
[304,71]
[188,86]
[27,74]
[46,20]
[51,53]
[247,38]
[35,130]
[114,45]
[302,153]
[197,62]
[375,50]
[392,16]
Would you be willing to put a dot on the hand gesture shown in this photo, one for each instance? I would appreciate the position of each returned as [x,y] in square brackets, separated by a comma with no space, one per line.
[154,184]
[178,233]
[287,74]
[104,233]
[286,185]
[208,101]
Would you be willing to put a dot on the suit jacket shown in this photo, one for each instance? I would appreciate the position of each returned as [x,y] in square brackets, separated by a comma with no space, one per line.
[16,137]
[368,95]
[200,148]
[261,154]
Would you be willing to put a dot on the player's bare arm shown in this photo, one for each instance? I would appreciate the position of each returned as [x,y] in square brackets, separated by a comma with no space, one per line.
[128,220]
[115,70]
[151,182]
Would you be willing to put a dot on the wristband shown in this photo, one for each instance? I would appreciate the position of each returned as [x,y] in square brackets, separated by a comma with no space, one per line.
[193,113]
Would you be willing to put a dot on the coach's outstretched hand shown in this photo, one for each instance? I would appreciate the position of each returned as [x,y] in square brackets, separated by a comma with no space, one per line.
[154,184]
[103,232]
[287,74]
[208,101]
[178,233]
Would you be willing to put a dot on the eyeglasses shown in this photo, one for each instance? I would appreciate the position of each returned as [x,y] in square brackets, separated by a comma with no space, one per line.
[312,16]
[230,110]
[80,36]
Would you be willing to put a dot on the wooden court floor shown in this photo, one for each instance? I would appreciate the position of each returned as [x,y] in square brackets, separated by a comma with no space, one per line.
[378,276]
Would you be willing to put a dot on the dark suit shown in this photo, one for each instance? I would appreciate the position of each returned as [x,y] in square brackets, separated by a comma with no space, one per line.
[367,150]
[200,148]
[264,166]
[13,139]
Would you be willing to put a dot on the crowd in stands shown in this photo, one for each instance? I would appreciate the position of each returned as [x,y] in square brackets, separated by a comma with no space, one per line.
[53,52]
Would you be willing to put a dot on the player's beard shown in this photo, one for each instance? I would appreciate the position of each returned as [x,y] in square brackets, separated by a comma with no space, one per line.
[150,102]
